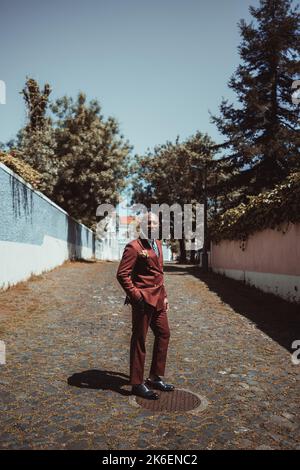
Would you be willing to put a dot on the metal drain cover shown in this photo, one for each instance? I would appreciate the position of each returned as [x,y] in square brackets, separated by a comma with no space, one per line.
[177,400]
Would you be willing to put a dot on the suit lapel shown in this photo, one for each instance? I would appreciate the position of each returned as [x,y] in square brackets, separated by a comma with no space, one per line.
[144,244]
[160,258]
[159,246]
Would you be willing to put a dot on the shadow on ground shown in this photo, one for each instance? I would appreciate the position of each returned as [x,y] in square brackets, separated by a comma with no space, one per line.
[82,260]
[275,317]
[100,380]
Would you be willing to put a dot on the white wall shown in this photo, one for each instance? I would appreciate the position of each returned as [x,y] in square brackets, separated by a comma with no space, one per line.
[36,235]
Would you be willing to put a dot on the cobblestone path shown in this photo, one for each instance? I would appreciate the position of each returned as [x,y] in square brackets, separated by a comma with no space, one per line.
[64,384]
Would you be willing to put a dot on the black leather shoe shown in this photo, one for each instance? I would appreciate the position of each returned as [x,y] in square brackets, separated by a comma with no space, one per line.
[143,391]
[159,384]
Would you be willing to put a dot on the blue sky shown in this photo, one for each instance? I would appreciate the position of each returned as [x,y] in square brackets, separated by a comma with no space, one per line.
[157,66]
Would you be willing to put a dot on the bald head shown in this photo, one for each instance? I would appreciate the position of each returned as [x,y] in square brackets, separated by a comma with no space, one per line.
[149,225]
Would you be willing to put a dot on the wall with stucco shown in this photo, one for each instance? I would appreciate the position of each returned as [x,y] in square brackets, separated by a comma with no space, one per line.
[270,261]
[36,235]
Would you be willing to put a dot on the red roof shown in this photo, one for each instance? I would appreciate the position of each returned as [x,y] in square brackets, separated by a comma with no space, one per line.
[126,220]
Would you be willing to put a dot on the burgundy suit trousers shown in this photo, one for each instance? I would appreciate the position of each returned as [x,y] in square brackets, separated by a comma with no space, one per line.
[157,319]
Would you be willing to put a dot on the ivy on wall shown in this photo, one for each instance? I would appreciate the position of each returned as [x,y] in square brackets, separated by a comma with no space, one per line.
[273,209]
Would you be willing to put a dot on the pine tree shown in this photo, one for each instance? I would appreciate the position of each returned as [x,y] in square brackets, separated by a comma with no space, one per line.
[35,143]
[262,132]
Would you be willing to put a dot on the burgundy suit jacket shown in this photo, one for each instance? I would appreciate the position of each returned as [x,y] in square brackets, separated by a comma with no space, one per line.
[142,277]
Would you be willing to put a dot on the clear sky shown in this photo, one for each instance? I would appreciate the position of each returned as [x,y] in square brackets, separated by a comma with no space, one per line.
[158,66]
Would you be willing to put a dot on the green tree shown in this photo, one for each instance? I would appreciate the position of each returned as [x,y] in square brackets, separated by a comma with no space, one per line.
[93,158]
[35,143]
[174,173]
[262,132]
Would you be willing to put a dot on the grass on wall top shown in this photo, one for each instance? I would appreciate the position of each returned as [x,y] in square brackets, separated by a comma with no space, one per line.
[23,169]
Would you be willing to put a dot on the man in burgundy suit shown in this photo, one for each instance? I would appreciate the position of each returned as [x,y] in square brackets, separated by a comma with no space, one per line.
[140,273]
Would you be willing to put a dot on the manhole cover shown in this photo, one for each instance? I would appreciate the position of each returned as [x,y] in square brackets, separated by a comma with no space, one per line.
[178,400]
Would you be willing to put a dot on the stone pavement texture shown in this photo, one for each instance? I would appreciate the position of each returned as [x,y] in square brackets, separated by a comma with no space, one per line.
[65,382]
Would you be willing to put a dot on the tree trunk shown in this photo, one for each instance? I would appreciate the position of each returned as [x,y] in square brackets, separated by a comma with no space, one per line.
[182,258]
